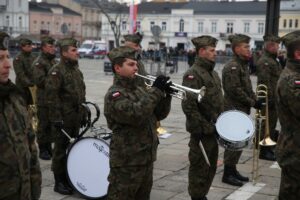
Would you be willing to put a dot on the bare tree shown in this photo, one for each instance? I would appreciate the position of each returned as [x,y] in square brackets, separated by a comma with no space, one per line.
[114,12]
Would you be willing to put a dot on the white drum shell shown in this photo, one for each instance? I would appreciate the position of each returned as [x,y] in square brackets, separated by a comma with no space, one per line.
[88,167]
[235,130]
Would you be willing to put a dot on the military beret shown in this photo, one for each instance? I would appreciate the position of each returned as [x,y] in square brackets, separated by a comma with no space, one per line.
[135,38]
[290,38]
[67,42]
[122,52]
[272,38]
[47,40]
[204,40]
[25,41]
[238,38]
[4,39]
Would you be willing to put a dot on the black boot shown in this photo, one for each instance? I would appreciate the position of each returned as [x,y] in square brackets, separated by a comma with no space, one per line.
[266,153]
[229,177]
[61,185]
[239,176]
[44,154]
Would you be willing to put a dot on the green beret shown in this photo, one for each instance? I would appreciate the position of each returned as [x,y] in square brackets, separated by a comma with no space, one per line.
[290,38]
[122,52]
[4,39]
[135,38]
[239,38]
[204,41]
[272,38]
[25,41]
[47,40]
[68,42]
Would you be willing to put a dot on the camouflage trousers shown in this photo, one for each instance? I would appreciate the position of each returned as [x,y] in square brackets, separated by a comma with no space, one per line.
[231,158]
[273,117]
[200,174]
[290,183]
[44,128]
[130,182]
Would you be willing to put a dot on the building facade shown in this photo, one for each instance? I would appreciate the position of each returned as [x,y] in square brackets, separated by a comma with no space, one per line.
[289,17]
[14,17]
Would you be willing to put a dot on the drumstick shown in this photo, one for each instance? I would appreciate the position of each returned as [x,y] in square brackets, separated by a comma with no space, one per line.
[204,153]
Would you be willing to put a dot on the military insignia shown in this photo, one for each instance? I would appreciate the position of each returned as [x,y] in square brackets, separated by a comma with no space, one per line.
[190,77]
[116,95]
[53,73]
[37,63]
[266,63]
[233,68]
[297,83]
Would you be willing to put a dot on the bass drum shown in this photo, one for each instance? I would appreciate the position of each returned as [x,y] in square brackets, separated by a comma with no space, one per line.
[235,130]
[88,167]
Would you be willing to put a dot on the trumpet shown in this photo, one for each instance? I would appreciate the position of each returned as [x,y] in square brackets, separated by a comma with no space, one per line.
[179,90]
[33,109]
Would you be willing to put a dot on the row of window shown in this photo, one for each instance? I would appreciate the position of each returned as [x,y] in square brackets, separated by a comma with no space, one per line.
[7,21]
[229,27]
[291,23]
[57,26]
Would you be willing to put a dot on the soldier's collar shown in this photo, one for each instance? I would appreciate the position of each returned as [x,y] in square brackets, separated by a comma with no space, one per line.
[270,54]
[240,59]
[204,63]
[124,81]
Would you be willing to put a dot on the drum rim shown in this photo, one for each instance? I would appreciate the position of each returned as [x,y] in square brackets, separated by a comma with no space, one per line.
[245,114]
[66,166]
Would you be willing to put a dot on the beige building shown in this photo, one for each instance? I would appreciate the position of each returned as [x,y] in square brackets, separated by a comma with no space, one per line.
[289,17]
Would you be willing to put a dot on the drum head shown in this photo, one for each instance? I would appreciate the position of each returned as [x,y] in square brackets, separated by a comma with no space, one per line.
[88,167]
[235,126]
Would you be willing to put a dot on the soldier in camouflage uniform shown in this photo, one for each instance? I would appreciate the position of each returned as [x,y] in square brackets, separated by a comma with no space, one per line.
[268,71]
[22,66]
[134,140]
[288,104]
[238,94]
[19,167]
[65,92]
[201,116]
[40,67]
[134,41]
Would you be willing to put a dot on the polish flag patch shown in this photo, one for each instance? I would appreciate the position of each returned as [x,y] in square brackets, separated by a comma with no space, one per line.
[191,77]
[297,82]
[116,95]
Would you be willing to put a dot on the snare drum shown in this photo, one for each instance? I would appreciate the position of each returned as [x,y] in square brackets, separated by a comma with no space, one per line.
[88,166]
[235,130]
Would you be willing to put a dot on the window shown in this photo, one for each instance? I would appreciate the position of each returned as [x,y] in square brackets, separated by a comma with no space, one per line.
[57,27]
[34,25]
[138,25]
[181,25]
[200,27]
[214,27]
[296,23]
[164,26]
[48,26]
[20,23]
[152,24]
[290,23]
[246,27]
[124,25]
[260,28]
[7,21]
[284,23]
[229,27]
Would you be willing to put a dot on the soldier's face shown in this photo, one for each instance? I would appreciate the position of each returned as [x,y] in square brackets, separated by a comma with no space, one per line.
[128,68]
[243,50]
[272,47]
[71,54]
[49,48]
[4,66]
[209,53]
[27,48]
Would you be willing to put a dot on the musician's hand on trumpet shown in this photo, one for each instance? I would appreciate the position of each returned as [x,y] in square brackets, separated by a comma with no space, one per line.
[161,82]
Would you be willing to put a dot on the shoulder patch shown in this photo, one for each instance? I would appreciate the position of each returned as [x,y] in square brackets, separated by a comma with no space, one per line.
[115,95]
[190,77]
[297,83]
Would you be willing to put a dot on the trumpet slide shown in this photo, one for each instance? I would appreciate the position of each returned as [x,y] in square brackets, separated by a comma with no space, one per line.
[179,90]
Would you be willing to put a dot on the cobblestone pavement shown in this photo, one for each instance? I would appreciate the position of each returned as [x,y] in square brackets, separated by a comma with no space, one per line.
[171,168]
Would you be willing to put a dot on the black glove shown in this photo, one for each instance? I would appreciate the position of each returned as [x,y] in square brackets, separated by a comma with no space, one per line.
[84,120]
[168,88]
[160,82]
[58,124]
[259,104]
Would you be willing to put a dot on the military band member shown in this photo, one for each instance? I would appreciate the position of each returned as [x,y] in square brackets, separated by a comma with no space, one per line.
[238,94]
[268,71]
[201,117]
[131,112]
[40,67]
[19,165]
[22,65]
[288,104]
[65,92]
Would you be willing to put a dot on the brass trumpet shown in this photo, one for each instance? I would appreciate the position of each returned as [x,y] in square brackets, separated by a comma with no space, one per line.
[33,109]
[179,90]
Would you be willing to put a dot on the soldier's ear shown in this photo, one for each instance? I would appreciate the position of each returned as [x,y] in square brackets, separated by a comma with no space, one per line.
[117,68]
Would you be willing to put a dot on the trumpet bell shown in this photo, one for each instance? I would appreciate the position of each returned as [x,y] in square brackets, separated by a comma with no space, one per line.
[267,142]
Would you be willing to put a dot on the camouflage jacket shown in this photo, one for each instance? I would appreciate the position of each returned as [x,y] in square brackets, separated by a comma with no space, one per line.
[288,104]
[238,93]
[19,165]
[268,72]
[65,92]
[131,113]
[201,117]
[22,66]
[41,67]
